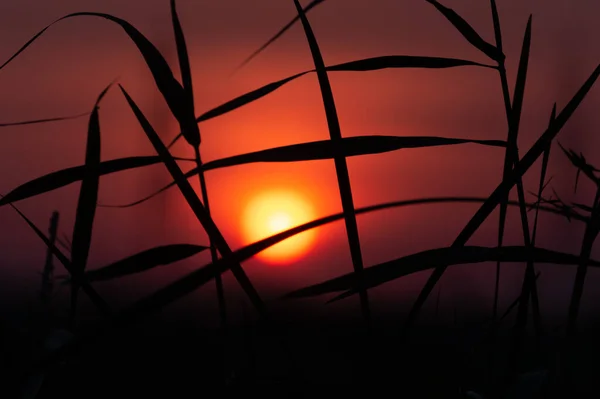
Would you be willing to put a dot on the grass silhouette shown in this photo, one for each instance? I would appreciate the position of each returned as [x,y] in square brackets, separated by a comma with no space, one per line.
[179,96]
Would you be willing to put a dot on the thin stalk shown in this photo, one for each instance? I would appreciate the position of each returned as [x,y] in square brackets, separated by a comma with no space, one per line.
[213,250]
[507,108]
[591,232]
[214,258]
[341,166]
[513,114]
[48,273]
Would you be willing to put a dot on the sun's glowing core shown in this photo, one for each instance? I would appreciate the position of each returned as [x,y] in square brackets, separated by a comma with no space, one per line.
[272,212]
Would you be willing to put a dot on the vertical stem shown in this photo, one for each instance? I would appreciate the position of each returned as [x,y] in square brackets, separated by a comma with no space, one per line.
[48,273]
[214,259]
[213,249]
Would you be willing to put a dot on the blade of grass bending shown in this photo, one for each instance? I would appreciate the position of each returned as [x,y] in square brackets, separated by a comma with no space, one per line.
[168,86]
[363,65]
[341,166]
[240,101]
[36,121]
[64,260]
[186,77]
[182,54]
[195,204]
[47,288]
[529,285]
[591,232]
[213,251]
[504,187]
[429,259]
[503,207]
[86,204]
[507,161]
[592,229]
[468,32]
[347,146]
[545,160]
[196,279]
[310,6]
[324,149]
[143,261]
[64,177]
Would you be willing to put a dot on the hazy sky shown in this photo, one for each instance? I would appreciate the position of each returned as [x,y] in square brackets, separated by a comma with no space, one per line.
[64,71]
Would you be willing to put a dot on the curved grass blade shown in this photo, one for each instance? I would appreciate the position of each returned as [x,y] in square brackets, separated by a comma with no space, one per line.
[363,65]
[86,204]
[64,260]
[240,101]
[194,202]
[505,186]
[348,146]
[182,54]
[310,6]
[341,166]
[190,129]
[36,121]
[529,286]
[169,87]
[143,261]
[198,278]
[247,98]
[402,61]
[591,233]
[324,149]
[432,258]
[468,32]
[64,177]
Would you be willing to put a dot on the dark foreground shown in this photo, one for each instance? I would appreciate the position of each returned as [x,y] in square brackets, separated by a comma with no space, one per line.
[178,359]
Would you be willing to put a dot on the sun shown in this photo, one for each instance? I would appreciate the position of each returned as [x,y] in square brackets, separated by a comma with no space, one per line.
[272,212]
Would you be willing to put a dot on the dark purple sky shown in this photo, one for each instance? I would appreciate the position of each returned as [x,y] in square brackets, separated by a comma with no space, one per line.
[63,72]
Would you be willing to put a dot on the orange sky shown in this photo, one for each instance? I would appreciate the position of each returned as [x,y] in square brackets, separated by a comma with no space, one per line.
[64,71]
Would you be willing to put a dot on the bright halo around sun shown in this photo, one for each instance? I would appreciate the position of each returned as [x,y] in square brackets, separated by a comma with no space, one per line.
[272,212]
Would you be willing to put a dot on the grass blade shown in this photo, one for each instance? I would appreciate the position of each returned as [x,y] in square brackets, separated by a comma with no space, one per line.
[240,101]
[468,32]
[198,278]
[433,258]
[310,6]
[186,76]
[190,130]
[197,207]
[590,235]
[182,55]
[341,166]
[64,177]
[46,120]
[86,204]
[402,61]
[64,260]
[168,86]
[143,261]
[348,146]
[47,287]
[505,186]
[363,65]
[529,285]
